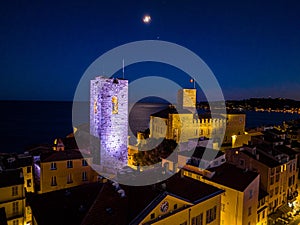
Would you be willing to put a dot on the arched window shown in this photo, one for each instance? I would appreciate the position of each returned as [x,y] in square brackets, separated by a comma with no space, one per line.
[114,101]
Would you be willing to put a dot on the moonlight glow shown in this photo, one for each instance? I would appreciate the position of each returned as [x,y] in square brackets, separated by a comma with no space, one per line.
[147,19]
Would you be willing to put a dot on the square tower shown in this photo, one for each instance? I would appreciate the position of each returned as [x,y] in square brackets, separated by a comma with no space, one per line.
[186,98]
[109,119]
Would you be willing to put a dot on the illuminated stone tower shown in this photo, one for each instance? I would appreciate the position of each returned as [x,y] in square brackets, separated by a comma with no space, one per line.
[109,119]
[186,98]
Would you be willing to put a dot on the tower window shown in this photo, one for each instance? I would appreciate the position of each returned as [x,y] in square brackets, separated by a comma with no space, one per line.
[69,164]
[114,101]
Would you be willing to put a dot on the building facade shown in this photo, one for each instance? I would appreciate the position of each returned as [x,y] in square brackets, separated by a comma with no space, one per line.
[62,169]
[240,200]
[12,198]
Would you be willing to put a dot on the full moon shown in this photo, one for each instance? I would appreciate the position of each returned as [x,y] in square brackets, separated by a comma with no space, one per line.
[146,19]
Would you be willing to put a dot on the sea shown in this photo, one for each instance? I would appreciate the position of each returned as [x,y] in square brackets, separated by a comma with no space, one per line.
[29,123]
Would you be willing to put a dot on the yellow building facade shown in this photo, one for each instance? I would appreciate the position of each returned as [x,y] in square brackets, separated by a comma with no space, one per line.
[238,204]
[172,210]
[12,198]
[279,179]
[64,169]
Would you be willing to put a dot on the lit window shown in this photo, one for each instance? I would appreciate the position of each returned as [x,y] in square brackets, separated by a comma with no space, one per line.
[53,181]
[114,101]
[53,166]
[69,164]
[95,106]
[14,190]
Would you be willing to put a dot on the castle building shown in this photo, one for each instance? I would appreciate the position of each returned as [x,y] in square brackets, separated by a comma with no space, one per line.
[182,123]
[109,119]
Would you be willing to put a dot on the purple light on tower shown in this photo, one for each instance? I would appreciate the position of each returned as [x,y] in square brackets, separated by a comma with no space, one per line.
[109,118]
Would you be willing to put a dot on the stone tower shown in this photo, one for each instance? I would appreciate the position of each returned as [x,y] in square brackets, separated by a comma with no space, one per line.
[186,98]
[109,119]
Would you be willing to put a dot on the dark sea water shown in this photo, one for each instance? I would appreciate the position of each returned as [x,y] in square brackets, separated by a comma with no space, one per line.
[25,123]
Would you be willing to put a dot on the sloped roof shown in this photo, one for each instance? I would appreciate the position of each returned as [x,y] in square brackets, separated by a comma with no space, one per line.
[11,177]
[230,176]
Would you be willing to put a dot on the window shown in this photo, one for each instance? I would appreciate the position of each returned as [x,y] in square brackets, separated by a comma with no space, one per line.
[114,102]
[28,169]
[242,162]
[53,181]
[15,222]
[258,217]
[152,216]
[197,220]
[15,208]
[277,177]
[14,191]
[29,183]
[84,176]
[272,180]
[69,164]
[250,194]
[84,162]
[53,166]
[69,179]
[211,214]
[175,206]
[184,223]
[263,214]
[222,207]
[249,211]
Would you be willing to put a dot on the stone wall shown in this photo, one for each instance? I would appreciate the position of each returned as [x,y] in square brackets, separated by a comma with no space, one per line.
[109,118]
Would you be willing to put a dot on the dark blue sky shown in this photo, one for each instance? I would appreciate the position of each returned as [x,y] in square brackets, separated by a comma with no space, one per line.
[253,47]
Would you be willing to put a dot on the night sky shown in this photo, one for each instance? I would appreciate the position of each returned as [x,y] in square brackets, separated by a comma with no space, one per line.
[252,47]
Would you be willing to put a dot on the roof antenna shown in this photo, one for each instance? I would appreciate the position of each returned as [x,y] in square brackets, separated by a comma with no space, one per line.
[123,69]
